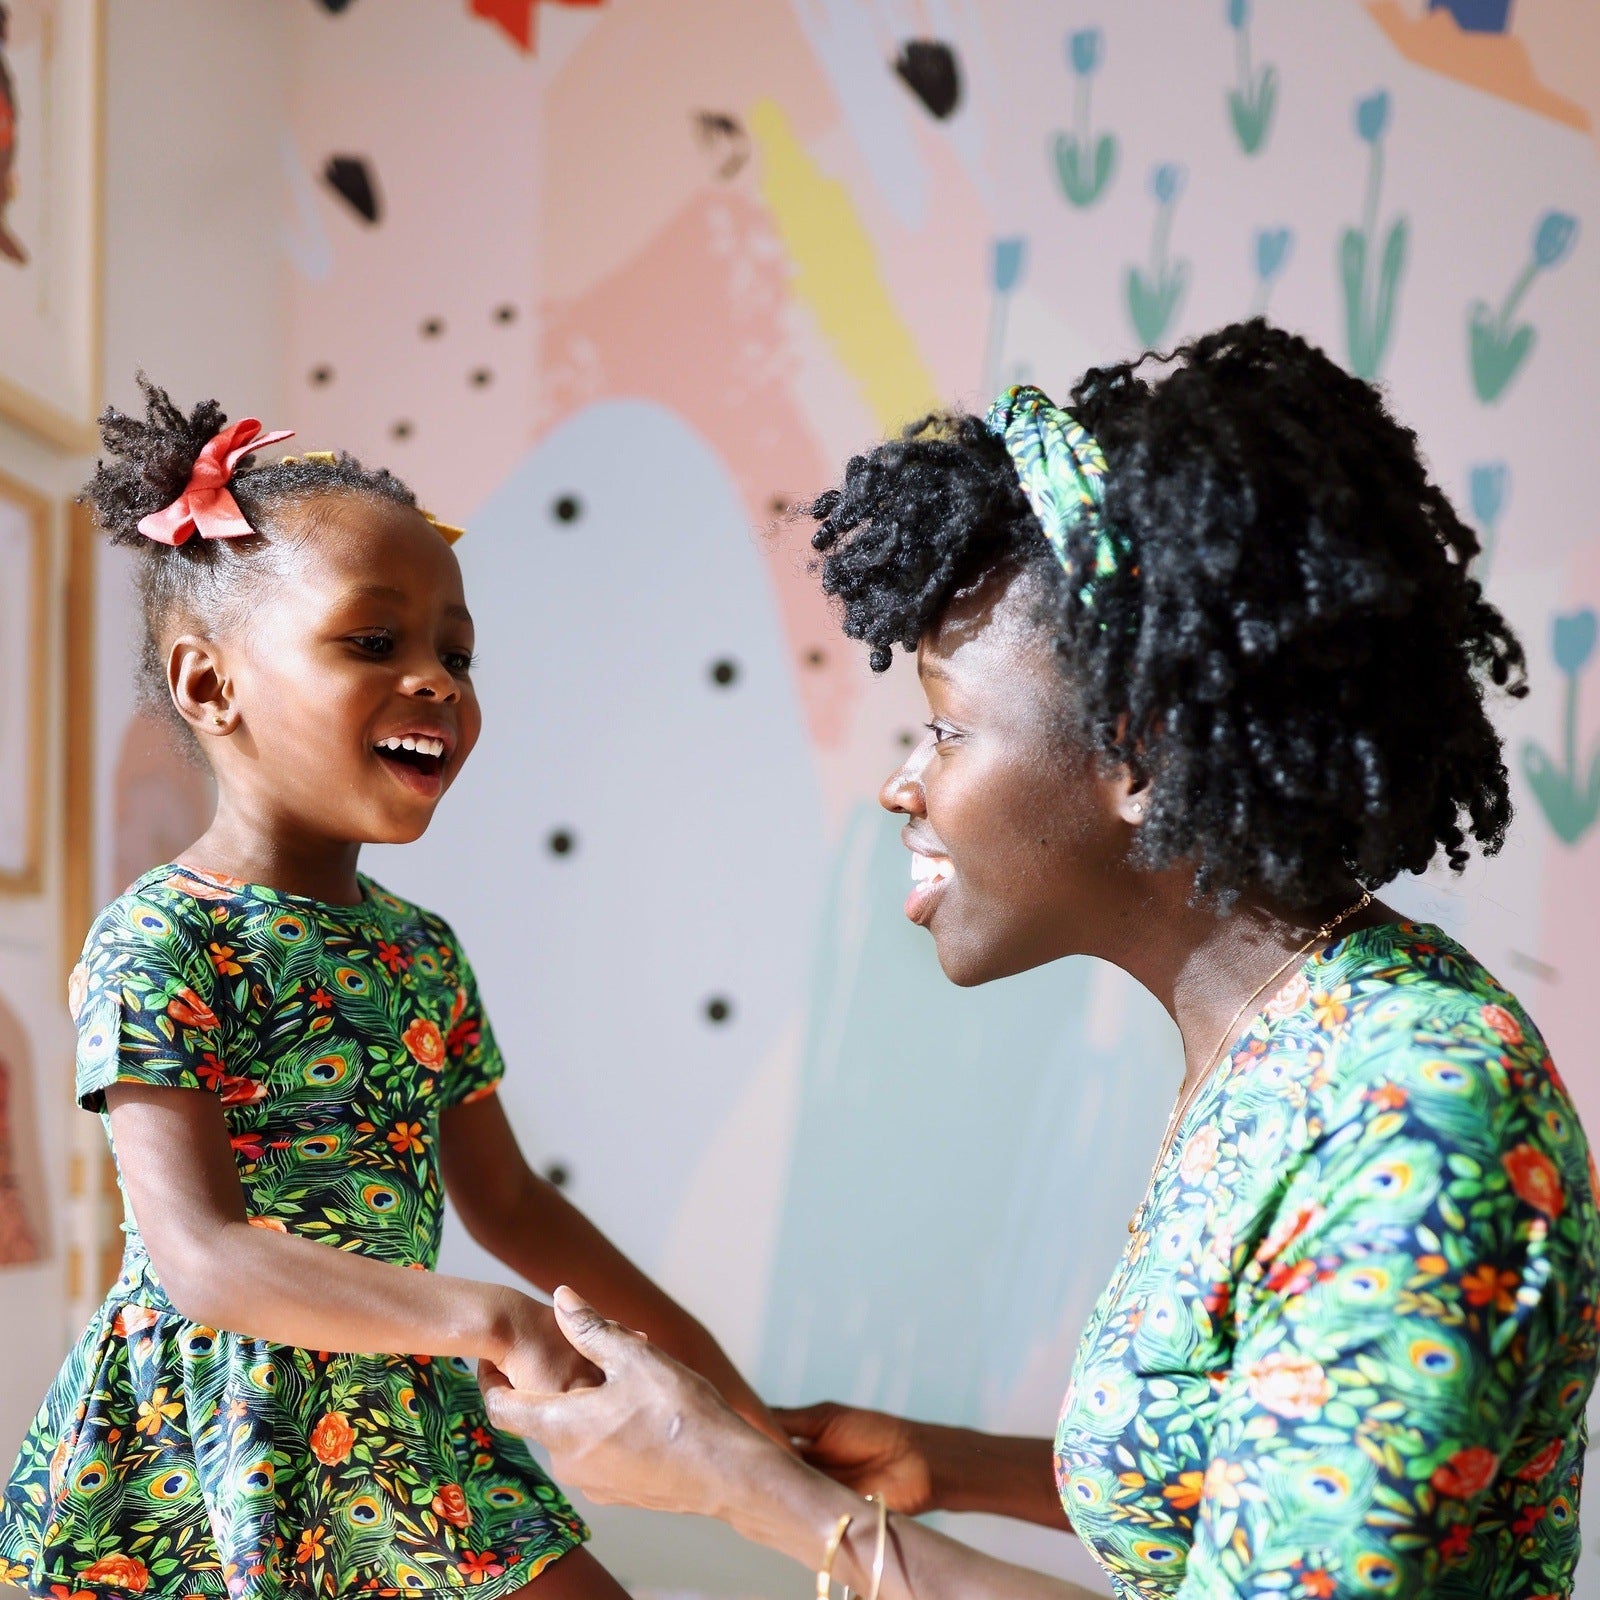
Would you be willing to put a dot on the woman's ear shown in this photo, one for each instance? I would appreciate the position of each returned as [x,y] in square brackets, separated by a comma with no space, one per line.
[199,686]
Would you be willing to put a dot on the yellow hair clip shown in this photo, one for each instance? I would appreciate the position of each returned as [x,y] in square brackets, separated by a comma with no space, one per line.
[447,530]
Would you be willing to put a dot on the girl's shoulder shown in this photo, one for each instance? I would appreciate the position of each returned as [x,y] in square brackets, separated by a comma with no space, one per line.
[402,916]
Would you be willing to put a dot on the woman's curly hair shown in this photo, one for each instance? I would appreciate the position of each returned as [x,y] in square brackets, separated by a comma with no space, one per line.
[1296,655]
[202,584]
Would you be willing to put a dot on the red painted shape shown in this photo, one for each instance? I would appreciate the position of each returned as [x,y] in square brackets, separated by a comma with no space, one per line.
[515,18]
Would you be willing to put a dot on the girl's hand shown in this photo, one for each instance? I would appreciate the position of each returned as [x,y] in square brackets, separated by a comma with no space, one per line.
[868,1451]
[538,1359]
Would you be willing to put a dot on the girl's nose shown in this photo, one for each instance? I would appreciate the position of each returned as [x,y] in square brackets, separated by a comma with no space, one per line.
[433,683]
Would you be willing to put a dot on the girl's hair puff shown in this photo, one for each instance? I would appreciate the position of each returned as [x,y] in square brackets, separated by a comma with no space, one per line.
[203,584]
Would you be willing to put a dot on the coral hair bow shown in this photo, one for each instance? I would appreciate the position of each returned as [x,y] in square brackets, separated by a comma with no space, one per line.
[205,506]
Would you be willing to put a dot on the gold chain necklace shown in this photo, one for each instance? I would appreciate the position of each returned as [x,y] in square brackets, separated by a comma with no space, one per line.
[1187,1098]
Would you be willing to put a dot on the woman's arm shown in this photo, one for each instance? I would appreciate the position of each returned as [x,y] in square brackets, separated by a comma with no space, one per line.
[178,1167]
[925,1466]
[655,1435]
[531,1226]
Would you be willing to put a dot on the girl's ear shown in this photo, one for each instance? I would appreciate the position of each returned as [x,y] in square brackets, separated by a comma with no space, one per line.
[199,686]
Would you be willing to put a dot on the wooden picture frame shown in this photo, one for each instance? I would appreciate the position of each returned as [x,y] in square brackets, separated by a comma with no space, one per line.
[51,54]
[24,712]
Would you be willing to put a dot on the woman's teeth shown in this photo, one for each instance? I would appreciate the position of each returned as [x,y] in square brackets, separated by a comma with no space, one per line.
[930,869]
[423,746]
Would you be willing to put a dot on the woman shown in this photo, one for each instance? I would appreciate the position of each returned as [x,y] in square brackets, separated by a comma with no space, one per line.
[1206,667]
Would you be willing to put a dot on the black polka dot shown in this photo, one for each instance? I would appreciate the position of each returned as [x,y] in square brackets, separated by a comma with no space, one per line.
[815,658]
[558,1174]
[321,375]
[561,842]
[505,313]
[432,327]
[566,508]
[718,1009]
[482,377]
[907,737]
[400,430]
[724,672]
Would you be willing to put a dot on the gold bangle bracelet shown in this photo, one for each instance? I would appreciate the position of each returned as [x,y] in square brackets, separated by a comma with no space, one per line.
[883,1545]
[830,1554]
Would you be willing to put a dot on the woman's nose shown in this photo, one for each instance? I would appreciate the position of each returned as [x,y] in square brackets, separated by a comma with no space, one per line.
[902,792]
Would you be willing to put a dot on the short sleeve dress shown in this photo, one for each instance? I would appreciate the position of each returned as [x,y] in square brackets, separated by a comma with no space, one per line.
[1348,1349]
[171,1459]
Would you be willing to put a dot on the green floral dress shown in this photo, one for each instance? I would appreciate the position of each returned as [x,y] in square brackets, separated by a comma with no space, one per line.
[171,1459]
[1348,1350]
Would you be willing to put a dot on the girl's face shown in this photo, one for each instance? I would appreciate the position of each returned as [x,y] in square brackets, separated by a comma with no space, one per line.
[351,680]
[1019,842]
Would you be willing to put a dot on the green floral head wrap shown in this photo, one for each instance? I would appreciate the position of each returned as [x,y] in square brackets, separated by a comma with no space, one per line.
[1063,473]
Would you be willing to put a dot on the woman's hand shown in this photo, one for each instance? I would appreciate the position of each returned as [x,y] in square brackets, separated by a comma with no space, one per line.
[538,1359]
[653,1434]
[867,1451]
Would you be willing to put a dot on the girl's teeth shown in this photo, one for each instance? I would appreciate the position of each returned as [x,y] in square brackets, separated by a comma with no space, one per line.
[408,744]
[930,869]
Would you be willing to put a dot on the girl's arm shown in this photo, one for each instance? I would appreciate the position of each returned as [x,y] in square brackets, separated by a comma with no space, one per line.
[925,1466]
[531,1226]
[182,1183]
[654,1435]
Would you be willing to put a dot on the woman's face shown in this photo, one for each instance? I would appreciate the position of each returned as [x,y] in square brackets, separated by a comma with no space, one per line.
[1019,842]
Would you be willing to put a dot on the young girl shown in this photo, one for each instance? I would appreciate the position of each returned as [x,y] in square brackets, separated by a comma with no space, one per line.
[288,1058]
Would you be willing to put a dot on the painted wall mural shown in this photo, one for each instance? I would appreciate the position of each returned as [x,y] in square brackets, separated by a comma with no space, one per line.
[631,291]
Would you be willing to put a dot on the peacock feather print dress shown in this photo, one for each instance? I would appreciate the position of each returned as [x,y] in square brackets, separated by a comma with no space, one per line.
[171,1459]
[1349,1345]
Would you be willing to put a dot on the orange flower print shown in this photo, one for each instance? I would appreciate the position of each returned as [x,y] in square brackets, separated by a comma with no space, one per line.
[485,1564]
[1467,1473]
[1289,1226]
[1542,1463]
[1329,1008]
[311,1544]
[1199,1153]
[451,1504]
[1290,1385]
[187,1008]
[458,1005]
[464,1035]
[331,1439]
[1318,1583]
[222,959]
[65,1591]
[133,1319]
[405,1137]
[1184,1495]
[425,1043]
[392,956]
[1503,1023]
[1456,1543]
[1388,1096]
[271,1224]
[77,988]
[12,1571]
[1289,998]
[242,1091]
[1484,1286]
[1221,1483]
[1534,1179]
[118,1572]
[156,1412]
[321,999]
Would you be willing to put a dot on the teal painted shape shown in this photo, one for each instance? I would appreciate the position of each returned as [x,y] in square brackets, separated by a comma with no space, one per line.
[1498,346]
[1085,169]
[1154,297]
[1569,797]
[964,1160]
[1369,277]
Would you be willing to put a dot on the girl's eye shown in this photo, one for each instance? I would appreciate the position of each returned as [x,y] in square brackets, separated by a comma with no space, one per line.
[375,644]
[460,662]
[939,731]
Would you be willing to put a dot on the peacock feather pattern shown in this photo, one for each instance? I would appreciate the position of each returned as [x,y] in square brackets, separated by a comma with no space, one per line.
[173,1459]
[1349,1348]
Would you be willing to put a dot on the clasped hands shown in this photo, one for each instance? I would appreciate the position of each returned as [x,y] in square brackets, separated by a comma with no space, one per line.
[626,1424]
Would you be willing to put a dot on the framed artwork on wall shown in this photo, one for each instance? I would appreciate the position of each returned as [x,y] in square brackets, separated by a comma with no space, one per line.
[50,77]
[24,730]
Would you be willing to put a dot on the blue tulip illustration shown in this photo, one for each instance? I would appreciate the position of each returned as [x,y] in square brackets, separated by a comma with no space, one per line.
[1371,280]
[1252,103]
[1153,299]
[1569,801]
[1009,257]
[1496,345]
[1488,485]
[1084,163]
[1273,246]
